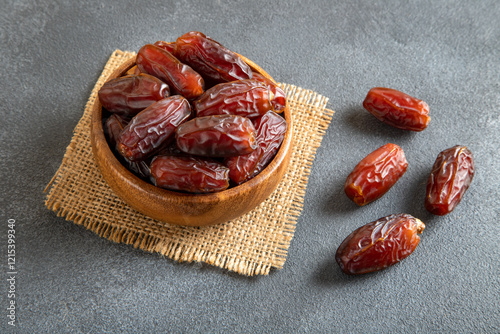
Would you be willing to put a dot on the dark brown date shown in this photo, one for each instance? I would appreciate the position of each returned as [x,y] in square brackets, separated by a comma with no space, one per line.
[167,46]
[113,127]
[189,174]
[271,129]
[450,178]
[379,244]
[181,78]
[375,174]
[278,100]
[397,109]
[153,128]
[217,136]
[248,98]
[139,168]
[210,58]
[129,95]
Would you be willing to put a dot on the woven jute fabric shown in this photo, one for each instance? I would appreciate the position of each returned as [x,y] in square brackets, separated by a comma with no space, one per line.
[249,245]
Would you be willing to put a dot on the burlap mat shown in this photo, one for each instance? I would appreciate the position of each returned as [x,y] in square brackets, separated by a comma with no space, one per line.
[249,245]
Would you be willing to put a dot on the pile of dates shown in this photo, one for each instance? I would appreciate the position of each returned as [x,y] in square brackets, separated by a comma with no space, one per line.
[390,239]
[192,116]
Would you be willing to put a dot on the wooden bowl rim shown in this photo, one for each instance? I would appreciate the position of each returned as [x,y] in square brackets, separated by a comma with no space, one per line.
[141,185]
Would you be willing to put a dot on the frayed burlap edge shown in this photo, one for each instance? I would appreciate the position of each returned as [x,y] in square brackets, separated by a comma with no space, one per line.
[250,245]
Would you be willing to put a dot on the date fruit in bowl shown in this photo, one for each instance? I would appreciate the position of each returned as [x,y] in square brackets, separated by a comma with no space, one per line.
[170,191]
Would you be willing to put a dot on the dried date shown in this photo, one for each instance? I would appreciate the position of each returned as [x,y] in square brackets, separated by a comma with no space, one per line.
[113,127]
[181,78]
[189,174]
[217,136]
[278,101]
[379,244]
[153,128]
[450,178]
[210,58]
[131,94]
[271,129]
[167,46]
[397,109]
[375,174]
[248,98]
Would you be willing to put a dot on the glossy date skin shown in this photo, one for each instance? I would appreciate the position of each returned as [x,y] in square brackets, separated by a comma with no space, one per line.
[397,109]
[153,128]
[181,78]
[248,98]
[167,46]
[379,244]
[278,100]
[450,178]
[271,129]
[113,126]
[217,136]
[375,174]
[210,58]
[131,94]
[189,174]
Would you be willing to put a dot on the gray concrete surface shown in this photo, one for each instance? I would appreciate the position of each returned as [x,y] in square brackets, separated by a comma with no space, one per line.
[444,52]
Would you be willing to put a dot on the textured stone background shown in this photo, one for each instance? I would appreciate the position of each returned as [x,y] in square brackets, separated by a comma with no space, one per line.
[444,52]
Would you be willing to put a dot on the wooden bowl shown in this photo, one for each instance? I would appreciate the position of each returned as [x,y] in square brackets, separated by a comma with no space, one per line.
[181,208]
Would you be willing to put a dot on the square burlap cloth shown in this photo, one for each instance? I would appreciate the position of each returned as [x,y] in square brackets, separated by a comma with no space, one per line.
[249,245]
